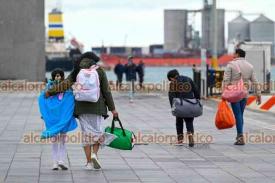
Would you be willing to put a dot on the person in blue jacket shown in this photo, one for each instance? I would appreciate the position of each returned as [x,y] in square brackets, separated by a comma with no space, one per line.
[131,76]
[57,113]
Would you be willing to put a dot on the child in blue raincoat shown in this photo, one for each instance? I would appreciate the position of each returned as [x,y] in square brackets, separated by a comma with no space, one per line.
[57,113]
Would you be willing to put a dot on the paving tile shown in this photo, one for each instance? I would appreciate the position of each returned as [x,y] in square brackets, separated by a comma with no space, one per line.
[219,161]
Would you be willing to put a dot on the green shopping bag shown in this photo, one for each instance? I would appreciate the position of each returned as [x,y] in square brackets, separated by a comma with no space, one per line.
[125,138]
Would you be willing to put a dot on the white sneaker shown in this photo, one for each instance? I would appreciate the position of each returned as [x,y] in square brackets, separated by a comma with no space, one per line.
[55,166]
[95,161]
[62,165]
[89,166]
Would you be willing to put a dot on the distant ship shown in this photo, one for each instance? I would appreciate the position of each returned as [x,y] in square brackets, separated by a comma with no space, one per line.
[112,60]
[61,52]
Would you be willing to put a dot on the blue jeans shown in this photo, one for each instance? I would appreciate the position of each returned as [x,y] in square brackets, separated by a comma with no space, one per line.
[238,110]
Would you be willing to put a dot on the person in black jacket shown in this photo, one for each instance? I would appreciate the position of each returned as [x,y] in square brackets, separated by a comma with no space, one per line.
[131,76]
[130,70]
[182,87]
[140,72]
[119,70]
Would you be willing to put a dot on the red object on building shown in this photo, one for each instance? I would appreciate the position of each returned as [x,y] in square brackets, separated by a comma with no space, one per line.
[112,60]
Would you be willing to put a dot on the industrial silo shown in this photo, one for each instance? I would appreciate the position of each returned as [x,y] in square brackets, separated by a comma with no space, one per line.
[175,29]
[239,29]
[208,29]
[262,30]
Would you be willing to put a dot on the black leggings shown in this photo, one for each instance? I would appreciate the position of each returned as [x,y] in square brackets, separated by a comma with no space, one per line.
[189,125]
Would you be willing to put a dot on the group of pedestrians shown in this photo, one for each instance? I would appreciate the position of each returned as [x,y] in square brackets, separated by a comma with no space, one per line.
[131,70]
[91,107]
[184,88]
[89,114]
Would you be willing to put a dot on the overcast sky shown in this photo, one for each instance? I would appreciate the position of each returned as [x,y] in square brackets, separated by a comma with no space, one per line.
[137,22]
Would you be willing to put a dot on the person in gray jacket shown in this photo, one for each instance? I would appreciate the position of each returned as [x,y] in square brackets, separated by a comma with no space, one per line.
[231,76]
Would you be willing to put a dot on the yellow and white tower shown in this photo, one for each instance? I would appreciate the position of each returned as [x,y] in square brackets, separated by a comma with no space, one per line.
[55,28]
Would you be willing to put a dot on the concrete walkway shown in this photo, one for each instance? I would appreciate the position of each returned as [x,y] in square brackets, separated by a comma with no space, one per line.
[219,161]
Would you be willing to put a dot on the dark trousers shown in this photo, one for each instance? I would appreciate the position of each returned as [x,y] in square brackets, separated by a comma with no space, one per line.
[189,125]
[141,79]
[119,81]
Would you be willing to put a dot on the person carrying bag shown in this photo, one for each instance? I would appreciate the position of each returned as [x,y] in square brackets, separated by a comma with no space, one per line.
[93,100]
[238,74]
[184,100]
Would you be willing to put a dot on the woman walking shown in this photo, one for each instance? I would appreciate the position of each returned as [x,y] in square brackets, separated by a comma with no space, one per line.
[90,114]
[236,70]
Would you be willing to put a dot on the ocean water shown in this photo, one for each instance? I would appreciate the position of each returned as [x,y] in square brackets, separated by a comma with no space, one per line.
[159,74]
[152,74]
[156,74]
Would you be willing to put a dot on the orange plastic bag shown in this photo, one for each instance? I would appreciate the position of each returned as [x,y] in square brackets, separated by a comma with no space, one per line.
[224,117]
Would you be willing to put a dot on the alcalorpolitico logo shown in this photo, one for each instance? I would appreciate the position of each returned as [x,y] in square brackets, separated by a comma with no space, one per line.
[141,138]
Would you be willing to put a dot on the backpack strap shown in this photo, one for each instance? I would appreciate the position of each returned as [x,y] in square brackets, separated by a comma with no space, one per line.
[94,67]
[236,65]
